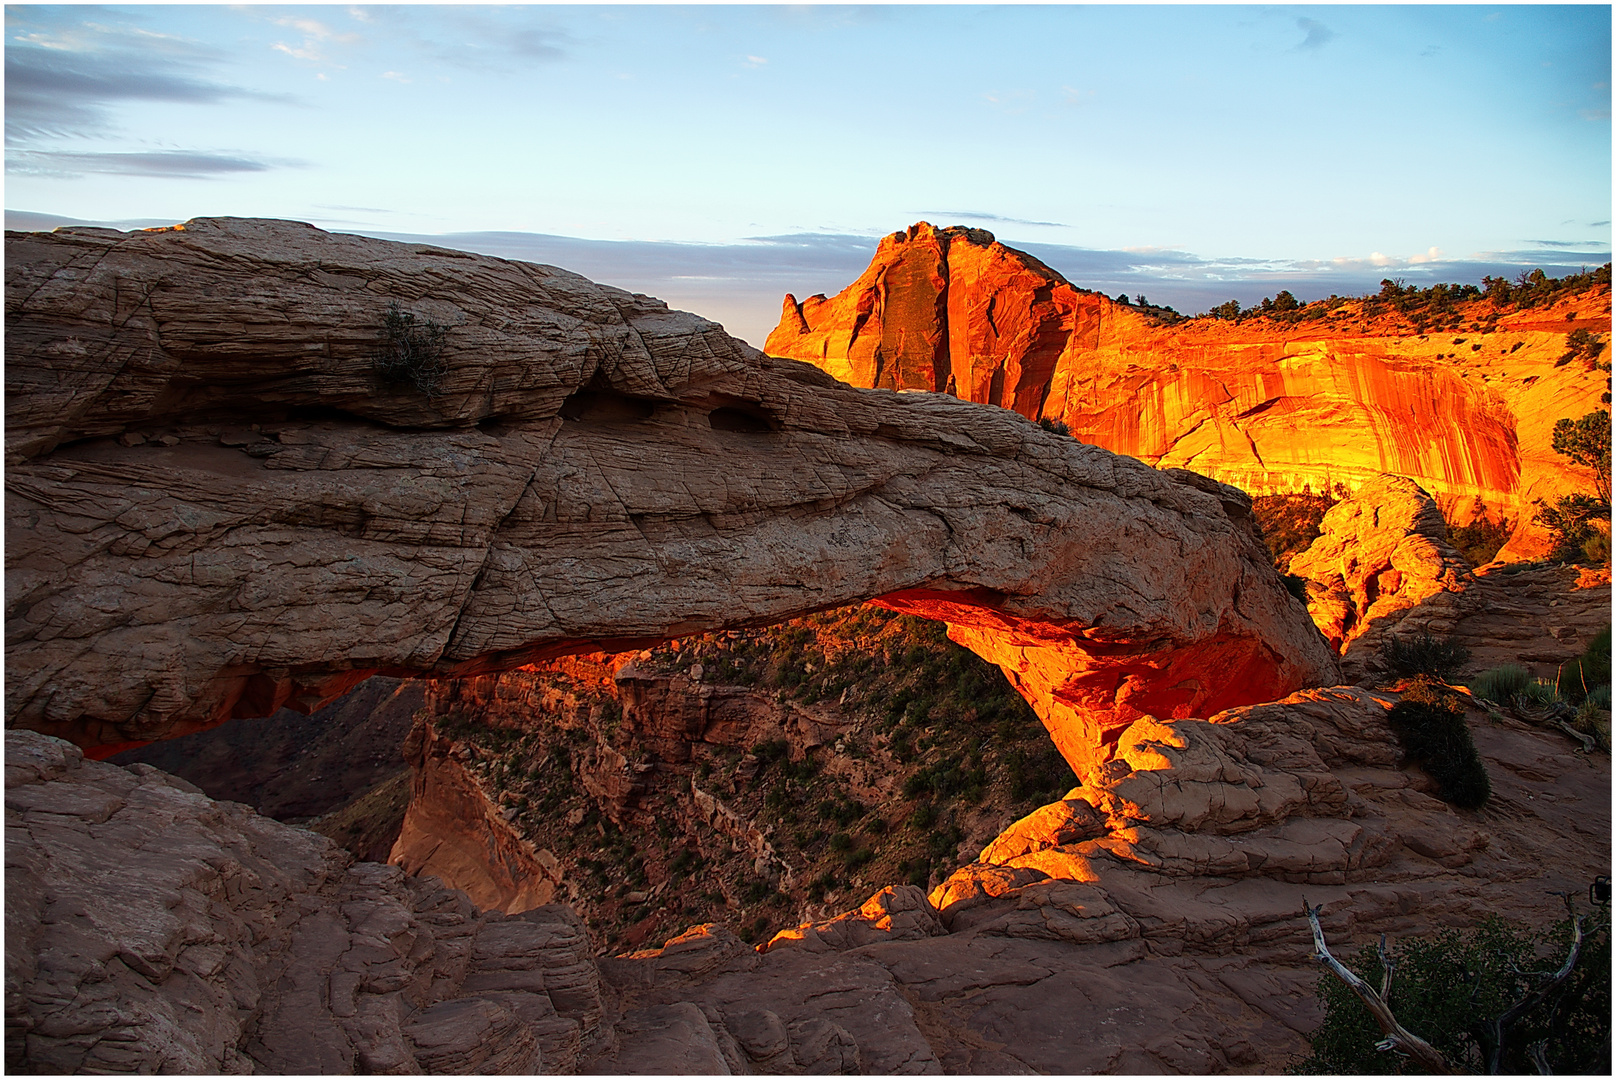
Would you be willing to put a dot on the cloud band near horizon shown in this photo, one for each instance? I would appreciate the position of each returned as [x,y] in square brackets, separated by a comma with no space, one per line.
[742,284]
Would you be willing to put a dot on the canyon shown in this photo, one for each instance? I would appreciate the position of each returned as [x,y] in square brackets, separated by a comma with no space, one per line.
[1269,404]
[220,504]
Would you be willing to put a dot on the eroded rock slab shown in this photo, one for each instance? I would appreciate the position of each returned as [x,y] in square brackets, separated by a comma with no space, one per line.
[217,505]
[152,929]
[1382,564]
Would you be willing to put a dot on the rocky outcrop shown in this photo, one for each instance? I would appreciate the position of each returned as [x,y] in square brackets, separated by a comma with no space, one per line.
[1150,922]
[1261,405]
[453,831]
[218,503]
[1383,561]
[151,929]
[1382,568]
[1539,618]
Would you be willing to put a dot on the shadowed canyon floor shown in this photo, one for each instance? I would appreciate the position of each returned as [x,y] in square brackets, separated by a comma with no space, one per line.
[219,504]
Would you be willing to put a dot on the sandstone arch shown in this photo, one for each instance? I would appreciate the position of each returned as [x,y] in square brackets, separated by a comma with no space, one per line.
[216,506]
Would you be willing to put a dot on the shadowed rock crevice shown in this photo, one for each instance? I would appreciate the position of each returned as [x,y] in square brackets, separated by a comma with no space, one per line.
[163,576]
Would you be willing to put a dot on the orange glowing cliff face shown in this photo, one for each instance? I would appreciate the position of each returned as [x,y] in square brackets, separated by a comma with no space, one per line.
[1263,404]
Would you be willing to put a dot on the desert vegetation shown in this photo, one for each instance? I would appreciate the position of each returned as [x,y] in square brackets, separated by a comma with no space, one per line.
[1290,523]
[1435,308]
[937,751]
[1480,539]
[1579,523]
[1425,654]
[1576,700]
[1494,998]
[411,352]
[1430,726]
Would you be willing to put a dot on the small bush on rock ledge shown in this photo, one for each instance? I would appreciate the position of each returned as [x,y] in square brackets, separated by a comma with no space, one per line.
[1430,726]
[411,352]
[1425,655]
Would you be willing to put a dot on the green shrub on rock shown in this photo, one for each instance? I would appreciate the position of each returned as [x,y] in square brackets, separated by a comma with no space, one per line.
[411,353]
[1423,654]
[1448,988]
[1430,726]
[1501,685]
[1588,672]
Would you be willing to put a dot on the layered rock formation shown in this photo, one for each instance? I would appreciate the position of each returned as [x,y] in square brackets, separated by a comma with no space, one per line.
[1381,557]
[1150,922]
[1382,567]
[219,505]
[453,832]
[151,929]
[595,469]
[1261,405]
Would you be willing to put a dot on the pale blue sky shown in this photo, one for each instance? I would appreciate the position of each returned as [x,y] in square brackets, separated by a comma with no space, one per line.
[1191,153]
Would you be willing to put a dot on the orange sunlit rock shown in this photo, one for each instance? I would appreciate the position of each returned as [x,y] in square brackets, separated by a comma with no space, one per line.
[1267,406]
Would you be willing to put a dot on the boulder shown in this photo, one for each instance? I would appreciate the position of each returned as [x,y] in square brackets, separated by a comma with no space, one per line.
[1382,564]
[151,929]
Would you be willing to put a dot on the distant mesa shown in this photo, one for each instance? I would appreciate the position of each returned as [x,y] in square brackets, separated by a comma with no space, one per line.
[1268,406]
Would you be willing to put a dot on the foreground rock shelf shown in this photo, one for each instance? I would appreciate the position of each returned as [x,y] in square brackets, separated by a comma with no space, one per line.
[1150,923]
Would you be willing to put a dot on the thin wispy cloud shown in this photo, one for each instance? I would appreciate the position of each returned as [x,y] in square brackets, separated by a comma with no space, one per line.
[1013,102]
[537,43]
[741,284]
[64,79]
[1578,244]
[1318,35]
[483,38]
[170,164]
[317,39]
[942,216]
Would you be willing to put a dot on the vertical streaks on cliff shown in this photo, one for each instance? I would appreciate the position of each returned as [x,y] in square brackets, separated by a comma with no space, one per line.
[1466,425]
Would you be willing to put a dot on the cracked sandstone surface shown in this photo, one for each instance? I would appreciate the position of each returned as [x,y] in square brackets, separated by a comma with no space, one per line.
[217,507]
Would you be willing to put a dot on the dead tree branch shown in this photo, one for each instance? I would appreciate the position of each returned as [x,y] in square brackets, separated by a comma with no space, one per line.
[1397,1037]
[1495,1029]
[1587,741]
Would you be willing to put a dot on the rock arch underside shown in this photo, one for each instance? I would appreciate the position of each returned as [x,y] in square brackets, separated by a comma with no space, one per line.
[216,505]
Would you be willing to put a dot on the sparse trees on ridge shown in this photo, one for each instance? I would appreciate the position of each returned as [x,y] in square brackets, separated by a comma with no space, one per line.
[1432,308]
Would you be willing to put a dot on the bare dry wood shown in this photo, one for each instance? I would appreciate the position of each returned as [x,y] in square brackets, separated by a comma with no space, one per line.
[1495,1029]
[1397,1037]
[1588,743]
